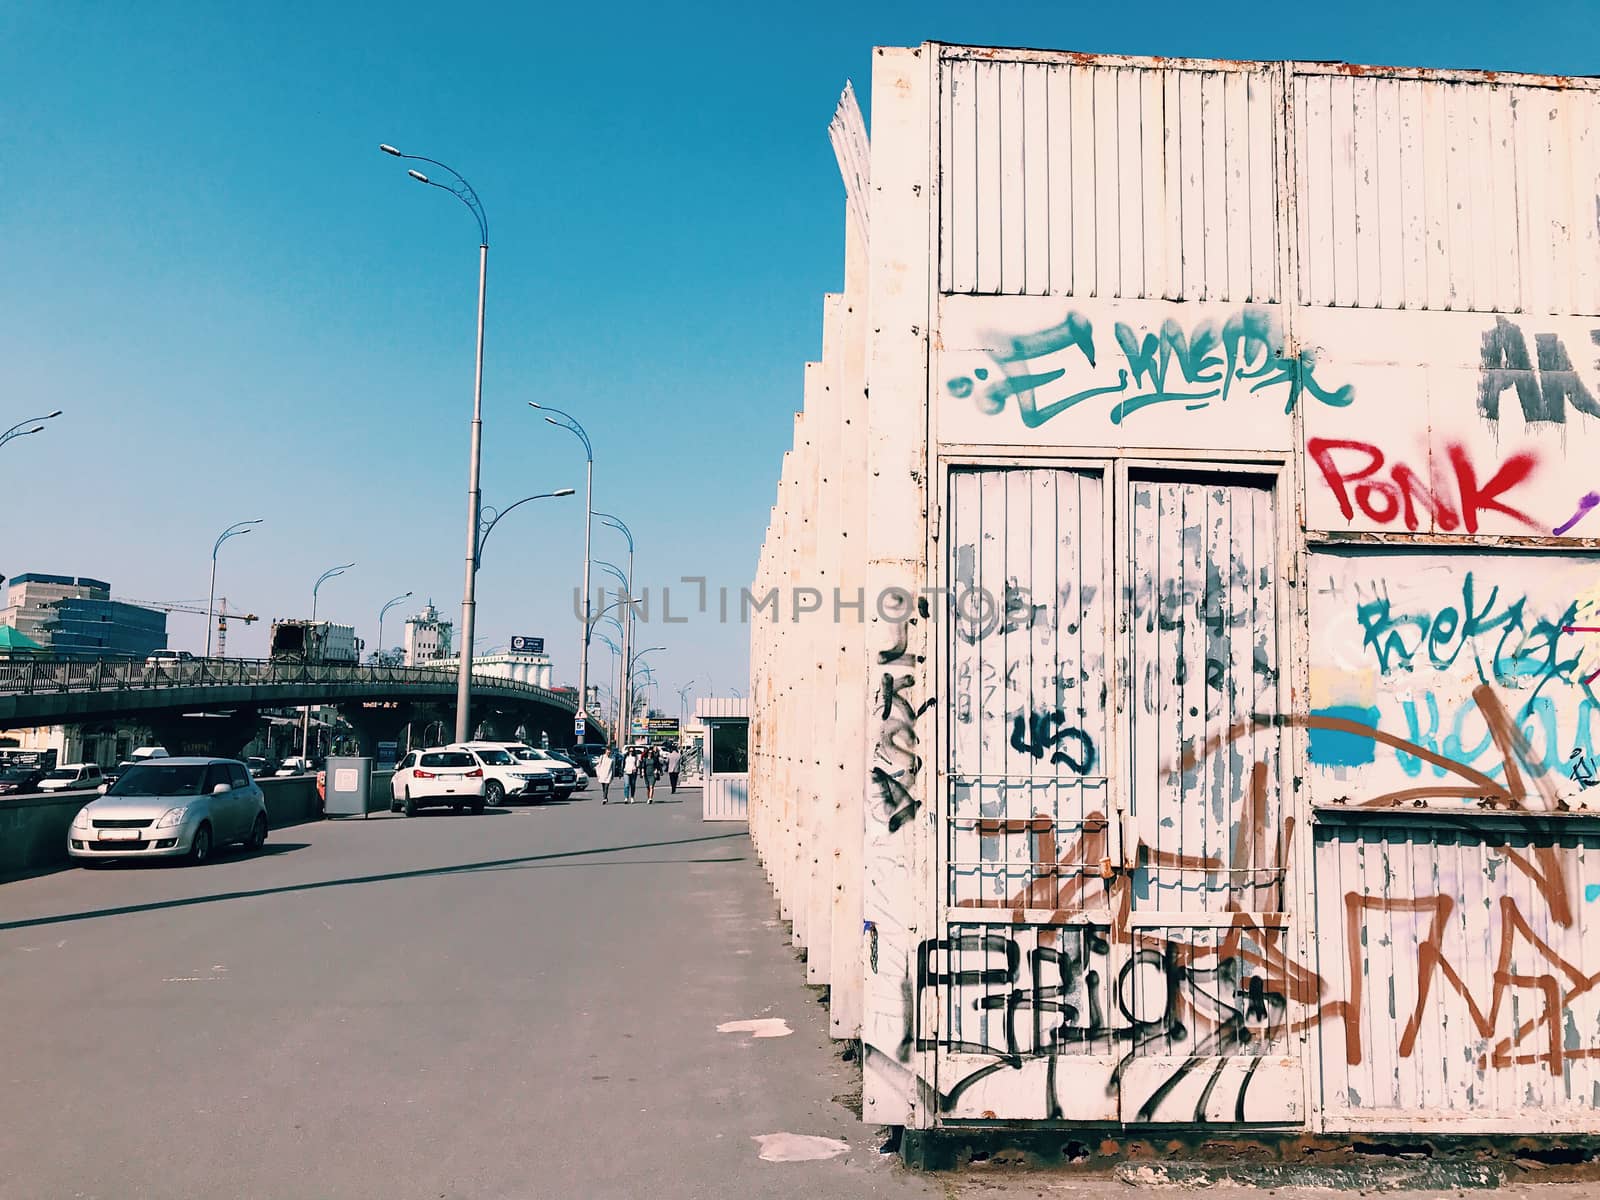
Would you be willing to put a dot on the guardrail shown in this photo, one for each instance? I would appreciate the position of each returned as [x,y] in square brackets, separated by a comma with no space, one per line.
[35,675]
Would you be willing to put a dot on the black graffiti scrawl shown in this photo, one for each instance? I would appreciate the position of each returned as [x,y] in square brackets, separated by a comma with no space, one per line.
[898,757]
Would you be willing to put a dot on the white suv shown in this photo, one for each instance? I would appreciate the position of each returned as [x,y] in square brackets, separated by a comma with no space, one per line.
[503,774]
[563,776]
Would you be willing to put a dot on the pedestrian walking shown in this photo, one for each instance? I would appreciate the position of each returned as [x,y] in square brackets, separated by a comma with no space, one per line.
[674,765]
[630,776]
[604,769]
[652,768]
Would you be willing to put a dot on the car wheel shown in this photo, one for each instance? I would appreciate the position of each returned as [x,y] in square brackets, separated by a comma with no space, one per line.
[410,804]
[493,795]
[258,833]
[200,848]
[394,802]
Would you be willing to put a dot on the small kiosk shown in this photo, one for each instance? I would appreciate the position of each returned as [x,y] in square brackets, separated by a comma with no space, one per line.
[726,757]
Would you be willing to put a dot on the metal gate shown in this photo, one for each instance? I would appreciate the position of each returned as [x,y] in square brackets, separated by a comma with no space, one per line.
[1060,985]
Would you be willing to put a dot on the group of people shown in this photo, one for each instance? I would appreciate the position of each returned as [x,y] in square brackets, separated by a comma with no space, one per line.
[646,761]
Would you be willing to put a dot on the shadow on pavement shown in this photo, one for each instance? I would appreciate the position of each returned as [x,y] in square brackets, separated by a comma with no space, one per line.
[318,885]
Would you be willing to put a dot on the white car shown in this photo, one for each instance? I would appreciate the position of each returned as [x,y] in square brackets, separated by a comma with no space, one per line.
[563,775]
[172,808]
[72,777]
[435,778]
[505,776]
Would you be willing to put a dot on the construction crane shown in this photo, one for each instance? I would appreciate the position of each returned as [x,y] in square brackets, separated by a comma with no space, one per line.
[221,613]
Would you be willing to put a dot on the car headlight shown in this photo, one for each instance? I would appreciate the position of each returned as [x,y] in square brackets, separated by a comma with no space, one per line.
[173,816]
[81,821]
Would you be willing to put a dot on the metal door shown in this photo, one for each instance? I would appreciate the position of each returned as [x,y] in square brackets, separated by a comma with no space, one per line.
[1015,993]
[1209,975]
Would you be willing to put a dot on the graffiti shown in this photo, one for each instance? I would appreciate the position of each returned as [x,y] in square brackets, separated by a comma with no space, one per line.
[1589,500]
[1206,365]
[1104,992]
[1044,733]
[1383,501]
[1526,648]
[1582,768]
[1460,735]
[898,756]
[1543,394]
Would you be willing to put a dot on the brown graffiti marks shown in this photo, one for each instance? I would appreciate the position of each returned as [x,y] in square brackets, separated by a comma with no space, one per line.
[898,755]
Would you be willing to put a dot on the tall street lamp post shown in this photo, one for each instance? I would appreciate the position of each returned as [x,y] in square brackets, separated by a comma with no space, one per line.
[570,423]
[623,628]
[233,530]
[17,430]
[305,713]
[462,190]
[627,626]
[382,612]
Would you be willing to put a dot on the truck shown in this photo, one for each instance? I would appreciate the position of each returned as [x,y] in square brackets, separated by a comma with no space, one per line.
[297,640]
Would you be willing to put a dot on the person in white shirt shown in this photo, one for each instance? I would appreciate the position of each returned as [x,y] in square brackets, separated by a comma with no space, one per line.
[604,769]
[630,776]
[674,765]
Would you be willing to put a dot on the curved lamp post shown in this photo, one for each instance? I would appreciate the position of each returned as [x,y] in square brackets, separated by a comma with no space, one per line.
[17,430]
[234,530]
[305,713]
[621,527]
[489,522]
[382,612]
[570,423]
[462,191]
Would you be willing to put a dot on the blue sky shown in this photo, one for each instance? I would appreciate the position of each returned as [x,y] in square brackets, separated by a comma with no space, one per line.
[248,311]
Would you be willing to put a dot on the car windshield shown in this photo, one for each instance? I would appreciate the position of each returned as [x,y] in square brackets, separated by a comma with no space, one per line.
[147,779]
[63,773]
[16,773]
[529,755]
[495,758]
[446,758]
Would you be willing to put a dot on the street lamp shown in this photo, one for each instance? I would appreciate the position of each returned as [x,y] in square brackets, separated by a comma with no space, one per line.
[683,705]
[17,430]
[382,612]
[627,630]
[233,530]
[622,599]
[570,423]
[305,713]
[462,191]
[486,527]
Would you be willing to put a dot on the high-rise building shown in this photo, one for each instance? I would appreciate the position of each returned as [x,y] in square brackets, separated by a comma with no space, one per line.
[427,637]
[75,617]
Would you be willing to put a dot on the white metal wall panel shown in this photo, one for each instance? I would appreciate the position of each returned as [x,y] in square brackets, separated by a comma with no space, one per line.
[725,798]
[1086,180]
[1460,965]
[1028,821]
[1416,192]
[1211,961]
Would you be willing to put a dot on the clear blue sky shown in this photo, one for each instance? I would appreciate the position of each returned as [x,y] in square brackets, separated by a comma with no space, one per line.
[247,311]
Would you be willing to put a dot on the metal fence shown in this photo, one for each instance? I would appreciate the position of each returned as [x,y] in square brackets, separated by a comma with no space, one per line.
[35,675]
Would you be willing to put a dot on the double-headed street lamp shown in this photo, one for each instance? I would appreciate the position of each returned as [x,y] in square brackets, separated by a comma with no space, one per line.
[627,629]
[305,713]
[382,612]
[233,530]
[683,706]
[570,423]
[633,665]
[17,430]
[462,190]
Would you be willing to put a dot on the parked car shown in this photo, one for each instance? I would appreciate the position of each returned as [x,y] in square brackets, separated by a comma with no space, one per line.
[16,781]
[436,777]
[293,766]
[172,808]
[579,772]
[112,774]
[72,777]
[585,756]
[508,778]
[260,767]
[565,776]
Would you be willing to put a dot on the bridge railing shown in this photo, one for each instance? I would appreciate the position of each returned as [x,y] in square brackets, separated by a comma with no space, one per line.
[33,675]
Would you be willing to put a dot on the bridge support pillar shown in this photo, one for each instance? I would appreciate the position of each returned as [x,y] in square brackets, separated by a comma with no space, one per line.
[224,734]
[377,721]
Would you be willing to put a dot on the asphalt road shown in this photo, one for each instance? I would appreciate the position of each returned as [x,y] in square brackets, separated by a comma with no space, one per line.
[521,1004]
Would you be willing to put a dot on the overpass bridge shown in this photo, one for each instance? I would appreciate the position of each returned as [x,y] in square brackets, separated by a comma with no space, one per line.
[213,705]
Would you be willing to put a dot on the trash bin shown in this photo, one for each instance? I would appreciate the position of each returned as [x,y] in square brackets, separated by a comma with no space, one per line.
[349,781]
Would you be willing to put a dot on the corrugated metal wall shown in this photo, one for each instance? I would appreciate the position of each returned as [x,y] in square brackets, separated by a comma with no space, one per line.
[1228,390]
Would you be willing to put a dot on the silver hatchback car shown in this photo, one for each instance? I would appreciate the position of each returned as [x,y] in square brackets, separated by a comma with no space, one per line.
[174,808]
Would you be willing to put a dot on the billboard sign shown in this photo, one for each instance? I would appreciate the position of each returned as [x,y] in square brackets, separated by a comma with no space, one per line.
[527,645]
